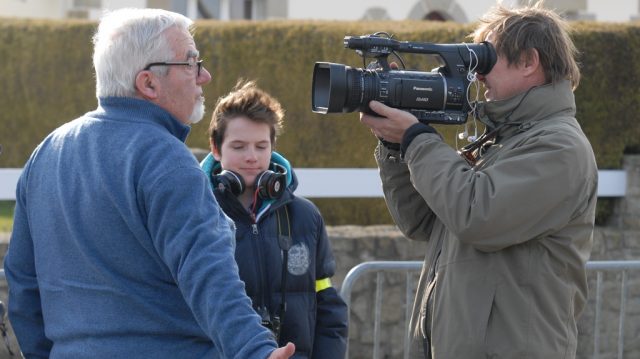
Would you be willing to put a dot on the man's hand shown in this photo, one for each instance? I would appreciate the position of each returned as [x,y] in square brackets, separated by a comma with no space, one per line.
[391,124]
[284,352]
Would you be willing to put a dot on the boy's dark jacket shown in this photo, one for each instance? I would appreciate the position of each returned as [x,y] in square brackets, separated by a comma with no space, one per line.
[316,322]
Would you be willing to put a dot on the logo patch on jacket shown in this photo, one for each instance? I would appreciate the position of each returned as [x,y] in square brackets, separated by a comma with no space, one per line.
[298,259]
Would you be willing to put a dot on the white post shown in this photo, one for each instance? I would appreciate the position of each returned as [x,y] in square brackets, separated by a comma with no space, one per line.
[192,9]
[225,10]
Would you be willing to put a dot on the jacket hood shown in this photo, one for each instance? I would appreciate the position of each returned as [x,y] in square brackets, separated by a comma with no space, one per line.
[211,166]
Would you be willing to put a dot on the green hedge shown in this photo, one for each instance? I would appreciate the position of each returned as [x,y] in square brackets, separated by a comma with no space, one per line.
[47,79]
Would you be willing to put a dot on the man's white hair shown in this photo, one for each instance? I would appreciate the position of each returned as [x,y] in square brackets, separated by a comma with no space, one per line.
[126,41]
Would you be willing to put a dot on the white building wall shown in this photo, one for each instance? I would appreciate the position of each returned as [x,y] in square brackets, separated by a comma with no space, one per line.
[614,11]
[118,4]
[600,10]
[397,10]
[457,10]
[346,10]
[110,5]
[52,9]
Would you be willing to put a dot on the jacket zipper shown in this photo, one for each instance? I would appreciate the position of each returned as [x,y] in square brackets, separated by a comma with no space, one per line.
[260,267]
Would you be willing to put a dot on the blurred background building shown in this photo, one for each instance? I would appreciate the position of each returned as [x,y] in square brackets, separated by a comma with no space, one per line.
[461,11]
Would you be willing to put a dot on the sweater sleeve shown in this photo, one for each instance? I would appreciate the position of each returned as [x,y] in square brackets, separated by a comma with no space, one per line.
[194,238]
[25,309]
[331,330]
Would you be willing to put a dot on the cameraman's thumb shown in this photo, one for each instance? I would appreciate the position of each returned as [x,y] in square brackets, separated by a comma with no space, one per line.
[283,352]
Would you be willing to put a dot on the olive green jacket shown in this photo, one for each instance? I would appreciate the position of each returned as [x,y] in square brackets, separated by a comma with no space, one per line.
[508,238]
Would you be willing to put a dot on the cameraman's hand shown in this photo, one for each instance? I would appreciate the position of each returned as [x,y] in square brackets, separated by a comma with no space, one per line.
[391,124]
[283,352]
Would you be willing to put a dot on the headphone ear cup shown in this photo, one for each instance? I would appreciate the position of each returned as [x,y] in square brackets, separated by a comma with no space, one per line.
[271,185]
[231,181]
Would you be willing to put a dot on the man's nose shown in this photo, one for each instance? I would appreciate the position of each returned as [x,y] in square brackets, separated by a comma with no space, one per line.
[204,77]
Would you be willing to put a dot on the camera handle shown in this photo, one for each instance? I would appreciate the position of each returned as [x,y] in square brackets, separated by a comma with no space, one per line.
[381,62]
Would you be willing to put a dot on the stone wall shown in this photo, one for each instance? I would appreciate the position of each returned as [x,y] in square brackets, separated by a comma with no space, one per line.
[619,240]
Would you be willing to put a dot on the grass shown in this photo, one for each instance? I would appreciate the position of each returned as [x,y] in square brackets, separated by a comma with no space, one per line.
[6,215]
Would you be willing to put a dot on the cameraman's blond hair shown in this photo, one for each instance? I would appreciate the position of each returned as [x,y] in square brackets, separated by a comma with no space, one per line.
[249,101]
[515,31]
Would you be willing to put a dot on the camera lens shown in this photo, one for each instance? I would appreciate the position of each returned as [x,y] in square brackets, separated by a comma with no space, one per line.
[341,88]
[329,87]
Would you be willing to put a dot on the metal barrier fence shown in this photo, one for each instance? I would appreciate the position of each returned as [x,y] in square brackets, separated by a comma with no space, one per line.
[409,267]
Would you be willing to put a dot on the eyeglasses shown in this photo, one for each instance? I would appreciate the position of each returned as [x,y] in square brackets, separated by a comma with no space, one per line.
[177,63]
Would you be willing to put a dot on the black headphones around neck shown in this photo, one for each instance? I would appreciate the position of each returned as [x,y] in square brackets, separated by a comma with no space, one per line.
[269,184]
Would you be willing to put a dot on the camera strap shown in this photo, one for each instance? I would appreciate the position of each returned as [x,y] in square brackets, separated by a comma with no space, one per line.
[284,241]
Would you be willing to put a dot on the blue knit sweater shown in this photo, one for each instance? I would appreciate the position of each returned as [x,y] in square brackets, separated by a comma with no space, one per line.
[119,248]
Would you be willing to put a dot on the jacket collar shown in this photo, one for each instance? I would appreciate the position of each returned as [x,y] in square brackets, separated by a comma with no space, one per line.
[522,111]
[131,109]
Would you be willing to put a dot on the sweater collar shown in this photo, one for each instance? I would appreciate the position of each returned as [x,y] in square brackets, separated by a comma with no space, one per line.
[131,109]
[524,109]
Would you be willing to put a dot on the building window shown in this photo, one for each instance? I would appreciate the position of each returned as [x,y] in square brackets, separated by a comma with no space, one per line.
[434,16]
[248,6]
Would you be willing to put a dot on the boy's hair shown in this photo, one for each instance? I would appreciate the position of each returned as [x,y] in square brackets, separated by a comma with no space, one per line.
[516,31]
[247,100]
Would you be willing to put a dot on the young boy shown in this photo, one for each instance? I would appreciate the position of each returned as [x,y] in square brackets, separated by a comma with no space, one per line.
[282,250]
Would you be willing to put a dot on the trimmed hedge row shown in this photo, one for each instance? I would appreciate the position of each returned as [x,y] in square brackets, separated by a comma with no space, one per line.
[47,79]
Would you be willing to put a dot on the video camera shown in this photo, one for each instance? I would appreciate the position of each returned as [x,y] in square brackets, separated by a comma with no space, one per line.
[439,96]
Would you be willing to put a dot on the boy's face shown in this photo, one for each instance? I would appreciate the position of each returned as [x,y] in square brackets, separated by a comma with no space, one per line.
[245,149]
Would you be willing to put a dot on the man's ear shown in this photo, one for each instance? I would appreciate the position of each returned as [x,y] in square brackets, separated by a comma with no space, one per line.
[214,150]
[147,85]
[530,61]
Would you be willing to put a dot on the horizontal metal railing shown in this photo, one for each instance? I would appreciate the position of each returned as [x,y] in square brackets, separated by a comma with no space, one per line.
[382,267]
[345,183]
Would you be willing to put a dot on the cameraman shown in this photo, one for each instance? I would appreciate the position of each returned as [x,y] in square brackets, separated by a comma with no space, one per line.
[509,224]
